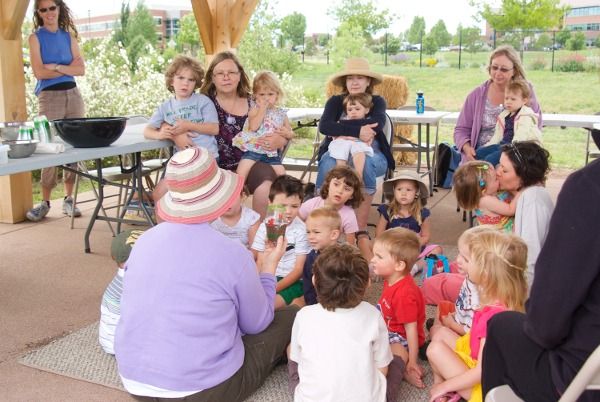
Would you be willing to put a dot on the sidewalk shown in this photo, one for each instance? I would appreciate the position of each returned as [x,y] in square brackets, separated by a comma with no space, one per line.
[50,287]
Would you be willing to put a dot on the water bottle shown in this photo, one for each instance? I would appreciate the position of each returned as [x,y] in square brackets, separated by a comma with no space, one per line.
[420,102]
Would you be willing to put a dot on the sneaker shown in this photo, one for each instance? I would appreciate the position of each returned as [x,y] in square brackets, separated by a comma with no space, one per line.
[70,209]
[38,213]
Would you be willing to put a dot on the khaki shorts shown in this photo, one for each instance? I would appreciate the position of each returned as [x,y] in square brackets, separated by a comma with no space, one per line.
[64,104]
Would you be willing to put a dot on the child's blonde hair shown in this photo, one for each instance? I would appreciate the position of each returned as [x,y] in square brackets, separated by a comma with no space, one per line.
[402,244]
[180,62]
[329,216]
[502,261]
[415,208]
[267,79]
[364,99]
[469,182]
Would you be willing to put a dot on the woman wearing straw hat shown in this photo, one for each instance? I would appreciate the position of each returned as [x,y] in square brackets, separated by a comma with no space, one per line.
[357,77]
[197,317]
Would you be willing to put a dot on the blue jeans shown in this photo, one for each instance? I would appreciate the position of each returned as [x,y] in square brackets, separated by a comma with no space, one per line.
[489,153]
[375,166]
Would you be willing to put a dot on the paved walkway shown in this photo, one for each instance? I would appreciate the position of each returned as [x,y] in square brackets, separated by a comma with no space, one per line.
[50,287]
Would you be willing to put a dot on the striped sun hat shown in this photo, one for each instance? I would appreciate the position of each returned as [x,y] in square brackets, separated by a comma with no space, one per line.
[198,190]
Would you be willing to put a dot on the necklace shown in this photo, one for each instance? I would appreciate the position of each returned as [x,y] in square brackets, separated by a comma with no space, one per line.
[229,119]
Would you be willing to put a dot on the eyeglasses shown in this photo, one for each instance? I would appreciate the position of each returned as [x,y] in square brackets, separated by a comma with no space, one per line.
[502,69]
[223,74]
[44,10]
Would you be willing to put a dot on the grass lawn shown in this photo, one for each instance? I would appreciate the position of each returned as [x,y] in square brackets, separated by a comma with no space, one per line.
[446,89]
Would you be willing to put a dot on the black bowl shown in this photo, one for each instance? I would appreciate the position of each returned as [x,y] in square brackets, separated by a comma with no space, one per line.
[91,132]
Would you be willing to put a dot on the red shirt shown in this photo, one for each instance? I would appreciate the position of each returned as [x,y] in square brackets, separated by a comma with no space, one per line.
[403,303]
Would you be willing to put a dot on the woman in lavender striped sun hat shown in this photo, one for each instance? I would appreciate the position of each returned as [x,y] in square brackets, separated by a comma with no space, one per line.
[197,314]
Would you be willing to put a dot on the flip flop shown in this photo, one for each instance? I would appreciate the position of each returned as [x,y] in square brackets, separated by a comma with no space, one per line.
[448,397]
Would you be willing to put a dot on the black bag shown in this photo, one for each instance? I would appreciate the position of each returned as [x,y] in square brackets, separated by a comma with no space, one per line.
[448,159]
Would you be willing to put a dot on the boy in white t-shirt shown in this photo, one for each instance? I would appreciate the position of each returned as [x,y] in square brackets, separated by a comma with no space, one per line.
[339,348]
[287,191]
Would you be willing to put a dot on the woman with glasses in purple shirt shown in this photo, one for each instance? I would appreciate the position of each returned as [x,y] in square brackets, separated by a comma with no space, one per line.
[477,119]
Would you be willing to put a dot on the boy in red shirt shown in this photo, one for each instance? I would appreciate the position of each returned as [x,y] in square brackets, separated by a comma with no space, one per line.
[401,304]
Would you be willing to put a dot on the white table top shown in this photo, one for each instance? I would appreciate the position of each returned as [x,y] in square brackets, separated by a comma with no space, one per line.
[397,116]
[549,119]
[597,126]
[132,140]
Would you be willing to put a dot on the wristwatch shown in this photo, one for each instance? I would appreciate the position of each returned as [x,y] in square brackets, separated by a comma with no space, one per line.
[56,68]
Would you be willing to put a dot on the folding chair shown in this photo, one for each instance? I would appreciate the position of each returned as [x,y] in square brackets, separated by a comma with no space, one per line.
[591,153]
[587,379]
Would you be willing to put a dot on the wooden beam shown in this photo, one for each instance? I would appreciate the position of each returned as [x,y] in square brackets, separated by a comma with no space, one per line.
[241,13]
[15,190]
[221,25]
[204,20]
[12,14]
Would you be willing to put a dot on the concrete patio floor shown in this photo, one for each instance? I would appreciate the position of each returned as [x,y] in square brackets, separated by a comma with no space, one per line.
[50,287]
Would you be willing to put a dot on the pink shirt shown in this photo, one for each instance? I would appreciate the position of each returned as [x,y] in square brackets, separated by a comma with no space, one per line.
[349,223]
[479,327]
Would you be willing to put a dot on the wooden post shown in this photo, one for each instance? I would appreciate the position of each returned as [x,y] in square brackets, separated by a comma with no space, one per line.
[15,190]
[222,23]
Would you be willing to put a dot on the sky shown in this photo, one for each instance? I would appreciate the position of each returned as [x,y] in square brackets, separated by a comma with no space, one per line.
[452,12]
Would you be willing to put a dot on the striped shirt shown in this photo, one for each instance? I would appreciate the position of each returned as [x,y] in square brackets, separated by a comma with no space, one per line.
[110,312]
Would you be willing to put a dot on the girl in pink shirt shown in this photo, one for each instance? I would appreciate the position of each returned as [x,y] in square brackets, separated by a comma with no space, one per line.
[496,263]
[341,191]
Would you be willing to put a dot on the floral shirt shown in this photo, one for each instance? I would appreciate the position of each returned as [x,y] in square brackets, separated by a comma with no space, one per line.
[229,126]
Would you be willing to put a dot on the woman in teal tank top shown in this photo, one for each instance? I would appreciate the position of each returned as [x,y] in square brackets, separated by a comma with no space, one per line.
[55,60]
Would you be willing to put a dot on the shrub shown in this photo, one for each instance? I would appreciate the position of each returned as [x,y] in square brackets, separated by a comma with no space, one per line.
[571,64]
[399,58]
[430,62]
[538,64]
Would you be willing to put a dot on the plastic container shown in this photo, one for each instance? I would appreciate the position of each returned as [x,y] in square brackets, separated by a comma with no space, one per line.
[420,102]
[4,154]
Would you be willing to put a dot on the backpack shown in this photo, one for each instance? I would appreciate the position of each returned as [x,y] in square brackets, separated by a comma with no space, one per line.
[448,159]
[436,264]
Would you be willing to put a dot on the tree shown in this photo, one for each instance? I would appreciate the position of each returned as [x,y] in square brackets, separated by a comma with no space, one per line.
[471,38]
[119,36]
[544,41]
[416,31]
[577,41]
[430,45]
[523,14]
[188,35]
[141,23]
[440,34]
[363,15]
[597,42]
[348,42]
[257,49]
[562,37]
[393,44]
[293,27]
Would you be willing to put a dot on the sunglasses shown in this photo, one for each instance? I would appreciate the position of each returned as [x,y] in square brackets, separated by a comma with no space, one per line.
[45,10]
[517,154]
[502,69]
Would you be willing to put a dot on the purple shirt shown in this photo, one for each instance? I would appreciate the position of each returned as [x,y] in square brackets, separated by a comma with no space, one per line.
[470,118]
[189,295]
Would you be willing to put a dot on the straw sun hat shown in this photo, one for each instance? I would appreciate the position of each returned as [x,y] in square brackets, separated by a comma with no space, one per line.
[356,66]
[198,190]
[388,185]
